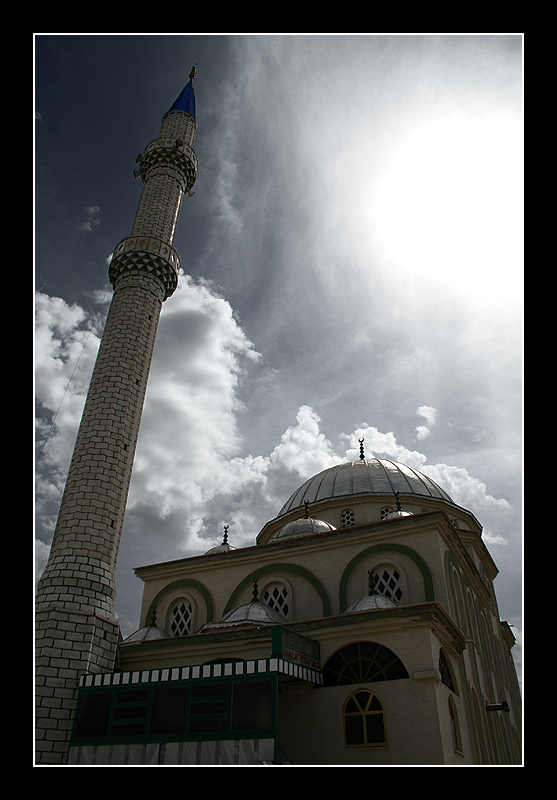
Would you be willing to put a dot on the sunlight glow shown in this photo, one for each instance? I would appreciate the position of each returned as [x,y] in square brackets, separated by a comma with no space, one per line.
[448,205]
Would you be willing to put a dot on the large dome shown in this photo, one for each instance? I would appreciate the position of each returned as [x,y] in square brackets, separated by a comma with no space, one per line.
[367,476]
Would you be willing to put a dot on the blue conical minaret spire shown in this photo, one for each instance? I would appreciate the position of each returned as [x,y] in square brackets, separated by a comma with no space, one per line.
[186,99]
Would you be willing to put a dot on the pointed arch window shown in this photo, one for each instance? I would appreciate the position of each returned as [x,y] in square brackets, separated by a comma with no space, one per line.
[364,721]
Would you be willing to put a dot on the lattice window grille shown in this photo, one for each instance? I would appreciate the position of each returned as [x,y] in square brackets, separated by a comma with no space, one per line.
[182,615]
[388,583]
[276,596]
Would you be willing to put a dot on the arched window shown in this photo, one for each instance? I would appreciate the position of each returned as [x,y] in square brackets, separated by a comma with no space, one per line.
[362,662]
[446,673]
[455,729]
[276,596]
[181,617]
[364,722]
[388,582]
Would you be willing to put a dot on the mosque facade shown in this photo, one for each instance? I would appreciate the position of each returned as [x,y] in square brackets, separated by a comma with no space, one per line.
[360,629]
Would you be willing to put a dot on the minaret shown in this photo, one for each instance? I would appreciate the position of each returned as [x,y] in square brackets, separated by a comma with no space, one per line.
[76,630]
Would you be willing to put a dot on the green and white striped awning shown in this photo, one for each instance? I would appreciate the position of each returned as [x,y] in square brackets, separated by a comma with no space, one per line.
[260,666]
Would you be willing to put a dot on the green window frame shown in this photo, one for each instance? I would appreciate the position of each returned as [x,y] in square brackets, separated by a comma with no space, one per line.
[178,711]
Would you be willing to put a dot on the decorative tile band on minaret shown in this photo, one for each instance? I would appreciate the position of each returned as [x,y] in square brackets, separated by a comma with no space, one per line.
[76,630]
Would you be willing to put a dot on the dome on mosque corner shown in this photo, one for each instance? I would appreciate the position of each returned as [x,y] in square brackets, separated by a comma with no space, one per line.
[371,602]
[256,612]
[148,634]
[366,476]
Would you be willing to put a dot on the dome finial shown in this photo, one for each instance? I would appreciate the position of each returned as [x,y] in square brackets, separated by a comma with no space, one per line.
[398,504]
[192,73]
[225,535]
[255,591]
[371,582]
[362,456]
[306,509]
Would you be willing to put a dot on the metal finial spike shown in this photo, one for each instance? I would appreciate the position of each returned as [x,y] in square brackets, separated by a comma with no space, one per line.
[192,73]
[362,456]
[372,581]
[306,509]
[398,505]
[225,536]
[255,591]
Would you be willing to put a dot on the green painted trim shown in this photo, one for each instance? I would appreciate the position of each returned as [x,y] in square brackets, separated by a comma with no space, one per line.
[385,548]
[184,584]
[270,568]
[117,698]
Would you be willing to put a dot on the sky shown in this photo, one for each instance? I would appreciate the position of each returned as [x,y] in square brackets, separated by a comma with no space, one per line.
[352,265]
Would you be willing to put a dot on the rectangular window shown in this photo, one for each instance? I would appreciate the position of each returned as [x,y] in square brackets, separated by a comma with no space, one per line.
[182,711]
[168,710]
[252,706]
[93,716]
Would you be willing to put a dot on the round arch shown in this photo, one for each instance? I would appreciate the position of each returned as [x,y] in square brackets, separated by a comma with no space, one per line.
[183,584]
[271,568]
[362,662]
[384,548]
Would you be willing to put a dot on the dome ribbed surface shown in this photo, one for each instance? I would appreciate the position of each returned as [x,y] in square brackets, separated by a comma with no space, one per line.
[256,613]
[369,476]
[301,527]
[371,602]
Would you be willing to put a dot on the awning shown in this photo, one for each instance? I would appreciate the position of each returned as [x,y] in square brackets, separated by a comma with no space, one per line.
[231,669]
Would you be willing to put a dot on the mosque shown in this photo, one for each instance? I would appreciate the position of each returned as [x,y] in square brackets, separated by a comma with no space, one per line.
[360,629]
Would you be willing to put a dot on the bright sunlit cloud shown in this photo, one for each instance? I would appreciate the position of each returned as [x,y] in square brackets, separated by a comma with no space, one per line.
[448,205]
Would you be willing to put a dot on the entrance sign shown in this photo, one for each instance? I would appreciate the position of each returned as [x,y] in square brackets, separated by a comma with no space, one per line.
[294,647]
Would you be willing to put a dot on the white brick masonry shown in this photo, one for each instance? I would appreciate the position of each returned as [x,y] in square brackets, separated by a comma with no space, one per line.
[75,625]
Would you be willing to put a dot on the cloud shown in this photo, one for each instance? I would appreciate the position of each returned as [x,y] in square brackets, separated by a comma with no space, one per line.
[429,414]
[66,343]
[191,473]
[494,539]
[90,218]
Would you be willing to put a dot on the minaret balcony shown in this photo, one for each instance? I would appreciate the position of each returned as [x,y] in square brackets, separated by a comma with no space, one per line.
[149,256]
[170,152]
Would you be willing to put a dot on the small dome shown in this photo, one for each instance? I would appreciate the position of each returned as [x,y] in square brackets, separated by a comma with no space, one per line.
[303,527]
[371,602]
[149,634]
[223,547]
[397,514]
[254,613]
